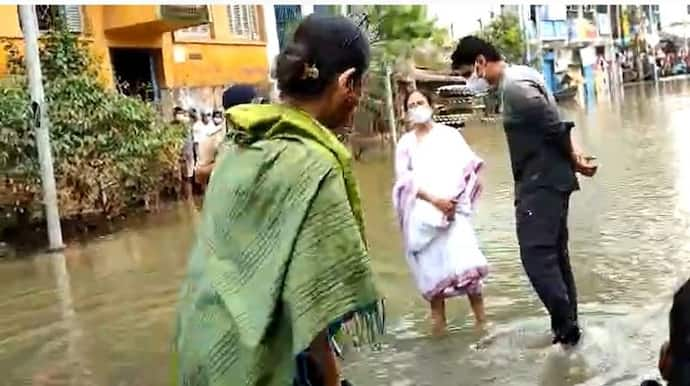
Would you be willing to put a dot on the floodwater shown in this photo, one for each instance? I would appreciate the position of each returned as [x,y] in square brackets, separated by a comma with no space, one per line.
[102,312]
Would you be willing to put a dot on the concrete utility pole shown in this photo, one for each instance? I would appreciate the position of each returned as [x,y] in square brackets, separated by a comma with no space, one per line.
[390,106]
[40,124]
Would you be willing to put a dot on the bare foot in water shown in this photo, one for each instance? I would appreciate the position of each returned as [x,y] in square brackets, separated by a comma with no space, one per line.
[438,317]
[477,304]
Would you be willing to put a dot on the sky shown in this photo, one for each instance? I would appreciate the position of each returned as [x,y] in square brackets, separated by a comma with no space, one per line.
[459,18]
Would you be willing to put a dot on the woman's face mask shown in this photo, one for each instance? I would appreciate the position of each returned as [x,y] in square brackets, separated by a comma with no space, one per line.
[419,115]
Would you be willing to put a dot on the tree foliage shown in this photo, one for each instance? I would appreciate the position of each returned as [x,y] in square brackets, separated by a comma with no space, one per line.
[401,36]
[110,151]
[395,30]
[504,33]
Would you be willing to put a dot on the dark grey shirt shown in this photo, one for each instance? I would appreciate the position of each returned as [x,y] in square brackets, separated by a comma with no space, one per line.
[538,141]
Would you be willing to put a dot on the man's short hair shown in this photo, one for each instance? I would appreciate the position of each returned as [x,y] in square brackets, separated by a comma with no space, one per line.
[470,47]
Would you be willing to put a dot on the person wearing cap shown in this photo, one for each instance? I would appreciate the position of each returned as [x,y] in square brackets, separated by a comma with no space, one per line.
[210,144]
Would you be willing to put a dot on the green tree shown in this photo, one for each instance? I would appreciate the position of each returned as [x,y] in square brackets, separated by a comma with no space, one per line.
[395,30]
[504,32]
[400,37]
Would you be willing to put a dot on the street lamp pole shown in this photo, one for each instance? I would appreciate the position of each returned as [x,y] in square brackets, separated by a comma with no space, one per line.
[41,125]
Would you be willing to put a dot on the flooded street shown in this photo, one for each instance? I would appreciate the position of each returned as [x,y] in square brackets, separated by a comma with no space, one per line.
[102,312]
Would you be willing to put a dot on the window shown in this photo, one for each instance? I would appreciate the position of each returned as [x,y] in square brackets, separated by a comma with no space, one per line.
[589,12]
[47,17]
[602,8]
[195,32]
[243,21]
[572,11]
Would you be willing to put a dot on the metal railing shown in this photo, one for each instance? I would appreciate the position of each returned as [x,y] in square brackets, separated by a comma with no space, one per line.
[199,13]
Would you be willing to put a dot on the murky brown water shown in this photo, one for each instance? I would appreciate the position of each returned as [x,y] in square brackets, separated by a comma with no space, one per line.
[101,314]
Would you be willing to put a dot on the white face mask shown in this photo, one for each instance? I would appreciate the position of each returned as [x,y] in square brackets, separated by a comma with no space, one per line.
[419,115]
[182,118]
[477,84]
[217,121]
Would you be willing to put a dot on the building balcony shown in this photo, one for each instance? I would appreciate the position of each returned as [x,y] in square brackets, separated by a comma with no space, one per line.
[149,19]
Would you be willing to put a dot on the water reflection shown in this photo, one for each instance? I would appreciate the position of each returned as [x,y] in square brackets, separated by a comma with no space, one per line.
[101,314]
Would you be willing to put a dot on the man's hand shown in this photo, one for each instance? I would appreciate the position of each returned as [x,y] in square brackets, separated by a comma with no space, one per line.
[202,173]
[584,165]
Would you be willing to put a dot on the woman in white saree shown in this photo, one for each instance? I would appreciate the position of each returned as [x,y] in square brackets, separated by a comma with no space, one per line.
[435,190]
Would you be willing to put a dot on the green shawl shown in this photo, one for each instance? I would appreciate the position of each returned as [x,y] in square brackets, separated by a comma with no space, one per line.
[280,254]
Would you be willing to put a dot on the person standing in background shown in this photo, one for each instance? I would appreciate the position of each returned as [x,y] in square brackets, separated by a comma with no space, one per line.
[199,130]
[217,119]
[210,145]
[181,118]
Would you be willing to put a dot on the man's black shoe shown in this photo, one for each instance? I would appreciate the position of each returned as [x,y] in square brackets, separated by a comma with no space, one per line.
[570,338]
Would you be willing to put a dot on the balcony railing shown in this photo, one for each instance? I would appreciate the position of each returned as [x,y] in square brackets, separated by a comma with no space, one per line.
[153,18]
[185,13]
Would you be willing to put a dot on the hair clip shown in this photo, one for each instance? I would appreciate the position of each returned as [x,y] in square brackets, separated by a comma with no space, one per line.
[310,72]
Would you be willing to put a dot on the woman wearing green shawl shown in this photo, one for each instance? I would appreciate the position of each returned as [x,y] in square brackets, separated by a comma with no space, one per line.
[280,263]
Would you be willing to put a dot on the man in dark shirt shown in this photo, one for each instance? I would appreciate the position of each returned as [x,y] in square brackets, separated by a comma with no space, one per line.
[544,160]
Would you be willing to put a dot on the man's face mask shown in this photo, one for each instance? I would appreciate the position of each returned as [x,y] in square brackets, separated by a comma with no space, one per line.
[477,84]
[476,81]
[217,121]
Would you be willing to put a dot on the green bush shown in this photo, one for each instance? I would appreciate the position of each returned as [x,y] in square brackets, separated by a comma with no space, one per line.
[110,151]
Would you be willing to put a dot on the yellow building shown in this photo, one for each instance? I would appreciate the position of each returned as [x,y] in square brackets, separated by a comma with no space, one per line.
[187,54]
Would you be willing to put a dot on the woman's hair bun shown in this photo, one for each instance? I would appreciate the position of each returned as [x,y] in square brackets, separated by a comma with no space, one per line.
[321,48]
[290,65]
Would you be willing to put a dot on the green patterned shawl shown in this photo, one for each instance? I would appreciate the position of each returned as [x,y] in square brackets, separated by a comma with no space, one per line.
[280,254]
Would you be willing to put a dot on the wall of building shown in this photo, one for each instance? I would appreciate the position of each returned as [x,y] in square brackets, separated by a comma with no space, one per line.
[201,65]
[9,31]
[188,64]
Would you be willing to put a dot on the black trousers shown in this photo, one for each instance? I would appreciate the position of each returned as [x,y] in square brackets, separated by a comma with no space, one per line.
[542,230]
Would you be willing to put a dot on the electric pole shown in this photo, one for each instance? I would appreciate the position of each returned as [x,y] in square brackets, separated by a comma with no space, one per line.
[40,124]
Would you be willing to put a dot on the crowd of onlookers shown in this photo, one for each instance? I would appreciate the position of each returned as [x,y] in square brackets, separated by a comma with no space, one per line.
[672,63]
[206,129]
